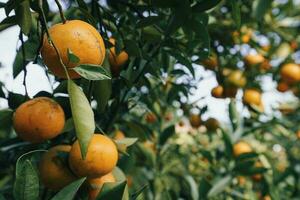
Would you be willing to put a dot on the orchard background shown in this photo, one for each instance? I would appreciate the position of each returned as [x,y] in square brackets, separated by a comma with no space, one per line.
[156,93]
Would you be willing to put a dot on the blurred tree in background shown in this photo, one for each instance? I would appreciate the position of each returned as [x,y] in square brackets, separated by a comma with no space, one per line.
[139,96]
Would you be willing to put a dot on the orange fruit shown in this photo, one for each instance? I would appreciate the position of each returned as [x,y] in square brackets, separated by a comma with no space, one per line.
[236,78]
[195,120]
[81,38]
[294,44]
[96,184]
[101,157]
[119,135]
[283,86]
[210,63]
[252,97]
[54,172]
[290,73]
[217,91]
[241,180]
[212,124]
[149,145]
[241,148]
[168,116]
[116,61]
[253,59]
[266,47]
[257,177]
[39,119]
[298,134]
[150,117]
[181,123]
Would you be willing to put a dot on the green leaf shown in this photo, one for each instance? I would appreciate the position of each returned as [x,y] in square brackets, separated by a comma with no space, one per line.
[119,175]
[114,191]
[30,46]
[193,187]
[8,22]
[123,144]
[27,183]
[6,117]
[148,21]
[132,48]
[204,187]
[23,15]
[260,7]
[136,194]
[72,57]
[15,100]
[234,115]
[26,186]
[92,72]
[166,134]
[11,4]
[83,116]
[236,12]
[69,192]
[205,5]
[179,16]
[228,143]
[101,93]
[82,4]
[2,197]
[219,186]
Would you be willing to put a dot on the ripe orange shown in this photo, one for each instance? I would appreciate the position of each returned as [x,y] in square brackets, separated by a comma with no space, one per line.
[54,173]
[195,120]
[290,73]
[149,145]
[253,59]
[217,91]
[150,117]
[257,177]
[241,148]
[168,116]
[119,135]
[210,63]
[97,183]
[39,119]
[283,86]
[116,61]
[78,36]
[212,124]
[252,97]
[101,158]
[236,78]
[298,134]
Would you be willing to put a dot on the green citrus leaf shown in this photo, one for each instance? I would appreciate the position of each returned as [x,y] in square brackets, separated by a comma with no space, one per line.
[23,15]
[93,72]
[83,116]
[114,191]
[69,192]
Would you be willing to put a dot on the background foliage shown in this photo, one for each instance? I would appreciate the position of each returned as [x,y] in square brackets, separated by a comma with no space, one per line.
[166,41]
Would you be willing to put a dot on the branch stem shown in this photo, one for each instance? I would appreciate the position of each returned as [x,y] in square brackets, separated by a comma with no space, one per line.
[50,40]
[61,12]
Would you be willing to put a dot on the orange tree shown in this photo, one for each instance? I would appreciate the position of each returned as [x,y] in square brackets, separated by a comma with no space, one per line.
[121,71]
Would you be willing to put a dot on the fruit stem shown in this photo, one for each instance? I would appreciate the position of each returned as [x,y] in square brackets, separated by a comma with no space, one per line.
[24,62]
[50,40]
[61,12]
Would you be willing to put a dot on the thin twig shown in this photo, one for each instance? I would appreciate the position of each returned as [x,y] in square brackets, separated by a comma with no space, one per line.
[24,62]
[61,12]
[50,40]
